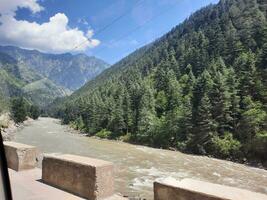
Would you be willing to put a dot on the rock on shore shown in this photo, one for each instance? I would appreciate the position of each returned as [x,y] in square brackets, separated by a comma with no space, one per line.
[9,127]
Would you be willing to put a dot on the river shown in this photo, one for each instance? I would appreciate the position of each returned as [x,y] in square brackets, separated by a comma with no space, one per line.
[137,167]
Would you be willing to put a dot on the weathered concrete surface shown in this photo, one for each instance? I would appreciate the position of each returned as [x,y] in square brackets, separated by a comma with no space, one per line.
[89,178]
[26,185]
[20,156]
[189,189]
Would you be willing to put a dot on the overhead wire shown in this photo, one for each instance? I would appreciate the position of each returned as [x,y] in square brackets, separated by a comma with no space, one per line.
[155,38]
[139,2]
[129,32]
[136,28]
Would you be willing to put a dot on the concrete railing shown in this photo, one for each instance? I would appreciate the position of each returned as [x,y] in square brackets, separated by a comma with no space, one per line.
[189,189]
[93,179]
[89,178]
[20,156]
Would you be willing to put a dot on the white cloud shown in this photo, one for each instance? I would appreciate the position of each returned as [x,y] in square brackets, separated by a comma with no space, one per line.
[52,36]
[83,21]
[10,6]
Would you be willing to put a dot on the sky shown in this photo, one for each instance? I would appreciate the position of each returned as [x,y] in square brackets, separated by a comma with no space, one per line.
[107,29]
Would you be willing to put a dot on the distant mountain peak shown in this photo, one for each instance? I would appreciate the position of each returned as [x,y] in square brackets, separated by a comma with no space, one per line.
[67,70]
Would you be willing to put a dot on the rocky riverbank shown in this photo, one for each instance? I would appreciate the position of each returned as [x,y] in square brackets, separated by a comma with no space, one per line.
[9,127]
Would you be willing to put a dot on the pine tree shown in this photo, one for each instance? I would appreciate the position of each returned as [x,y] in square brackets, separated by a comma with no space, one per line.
[127,112]
[219,96]
[203,127]
[203,124]
[233,85]
[173,91]
[246,69]
[234,47]
[161,103]
[173,63]
[187,81]
[253,118]
[161,76]
[117,124]
[147,112]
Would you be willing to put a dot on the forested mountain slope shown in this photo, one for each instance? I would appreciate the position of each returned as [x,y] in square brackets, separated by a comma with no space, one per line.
[201,88]
[67,70]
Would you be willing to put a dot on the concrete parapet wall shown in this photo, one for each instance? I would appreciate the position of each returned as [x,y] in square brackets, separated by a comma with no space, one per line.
[89,178]
[20,156]
[189,189]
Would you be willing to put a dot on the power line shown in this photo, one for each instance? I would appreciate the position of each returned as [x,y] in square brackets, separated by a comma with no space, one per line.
[118,18]
[110,24]
[155,38]
[137,27]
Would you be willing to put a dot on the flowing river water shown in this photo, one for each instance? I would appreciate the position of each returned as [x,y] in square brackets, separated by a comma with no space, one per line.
[137,167]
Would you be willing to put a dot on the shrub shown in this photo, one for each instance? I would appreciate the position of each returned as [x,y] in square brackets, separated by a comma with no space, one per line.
[181,146]
[34,112]
[126,138]
[259,145]
[19,108]
[78,124]
[4,120]
[225,146]
[104,134]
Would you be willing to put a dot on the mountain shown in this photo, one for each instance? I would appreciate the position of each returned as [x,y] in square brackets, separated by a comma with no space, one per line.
[16,79]
[44,91]
[42,78]
[201,88]
[66,70]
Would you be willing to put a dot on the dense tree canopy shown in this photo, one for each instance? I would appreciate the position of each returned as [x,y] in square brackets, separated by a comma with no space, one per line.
[201,88]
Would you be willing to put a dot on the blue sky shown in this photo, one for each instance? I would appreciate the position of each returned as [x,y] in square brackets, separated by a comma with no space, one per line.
[84,18]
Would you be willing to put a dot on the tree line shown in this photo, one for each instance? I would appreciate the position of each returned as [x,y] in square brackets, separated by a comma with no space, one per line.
[20,109]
